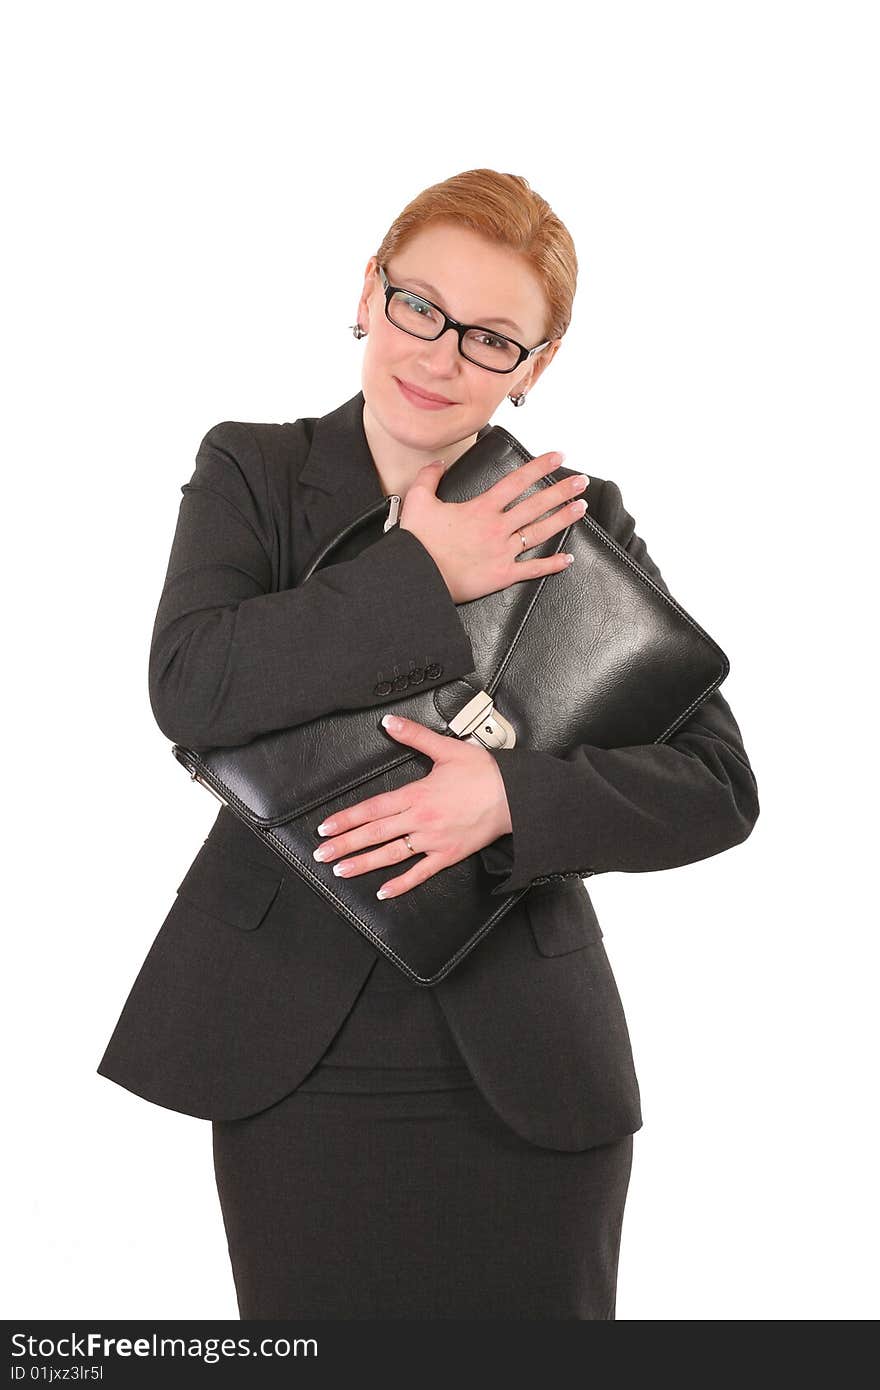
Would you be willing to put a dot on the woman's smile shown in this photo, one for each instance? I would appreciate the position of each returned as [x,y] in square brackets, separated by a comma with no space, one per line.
[424,402]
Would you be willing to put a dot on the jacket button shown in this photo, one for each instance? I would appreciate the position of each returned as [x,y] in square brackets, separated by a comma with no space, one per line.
[416,675]
[433,671]
[383,688]
[401,683]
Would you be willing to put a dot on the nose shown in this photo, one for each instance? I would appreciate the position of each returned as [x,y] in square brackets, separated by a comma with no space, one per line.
[441,356]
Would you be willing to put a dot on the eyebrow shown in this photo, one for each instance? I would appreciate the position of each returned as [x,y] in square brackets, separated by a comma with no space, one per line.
[433,290]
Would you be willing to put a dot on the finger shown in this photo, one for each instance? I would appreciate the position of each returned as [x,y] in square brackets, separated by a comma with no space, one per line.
[429,474]
[562,499]
[538,528]
[372,832]
[425,869]
[523,570]
[433,745]
[392,853]
[375,808]
[515,483]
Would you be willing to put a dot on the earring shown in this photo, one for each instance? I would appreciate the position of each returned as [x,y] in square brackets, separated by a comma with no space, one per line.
[358,331]
[518,400]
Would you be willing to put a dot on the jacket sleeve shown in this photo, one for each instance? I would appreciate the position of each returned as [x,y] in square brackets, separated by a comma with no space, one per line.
[632,809]
[231,659]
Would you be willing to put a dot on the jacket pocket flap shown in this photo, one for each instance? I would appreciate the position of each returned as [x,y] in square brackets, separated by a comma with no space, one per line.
[562,917]
[237,891]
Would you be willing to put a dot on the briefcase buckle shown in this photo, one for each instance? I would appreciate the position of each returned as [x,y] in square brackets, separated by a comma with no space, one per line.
[479,722]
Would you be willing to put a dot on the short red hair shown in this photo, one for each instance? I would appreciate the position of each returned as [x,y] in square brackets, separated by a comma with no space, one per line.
[506,210]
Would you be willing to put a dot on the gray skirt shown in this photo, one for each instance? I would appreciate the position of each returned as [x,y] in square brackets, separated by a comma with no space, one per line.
[385,1187]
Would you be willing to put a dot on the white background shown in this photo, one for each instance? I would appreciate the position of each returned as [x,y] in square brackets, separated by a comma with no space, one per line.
[193,192]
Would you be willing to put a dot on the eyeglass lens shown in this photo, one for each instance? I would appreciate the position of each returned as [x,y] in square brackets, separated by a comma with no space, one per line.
[415,315]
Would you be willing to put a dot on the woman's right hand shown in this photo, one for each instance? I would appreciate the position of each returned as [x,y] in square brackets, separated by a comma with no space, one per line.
[476,544]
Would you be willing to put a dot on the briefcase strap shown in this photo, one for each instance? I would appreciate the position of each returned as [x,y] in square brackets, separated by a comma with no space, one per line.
[389,505]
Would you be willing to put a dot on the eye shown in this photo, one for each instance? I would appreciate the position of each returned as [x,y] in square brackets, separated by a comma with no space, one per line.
[419,306]
[490,341]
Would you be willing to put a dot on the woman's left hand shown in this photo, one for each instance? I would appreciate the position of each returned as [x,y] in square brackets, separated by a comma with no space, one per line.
[456,809]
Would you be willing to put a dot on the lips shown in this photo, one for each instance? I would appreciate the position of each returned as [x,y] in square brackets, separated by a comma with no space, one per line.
[425,395]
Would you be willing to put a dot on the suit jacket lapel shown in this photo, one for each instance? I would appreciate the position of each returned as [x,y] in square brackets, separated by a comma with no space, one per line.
[339,473]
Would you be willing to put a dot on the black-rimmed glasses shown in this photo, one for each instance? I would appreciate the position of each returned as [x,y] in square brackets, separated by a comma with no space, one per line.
[482,346]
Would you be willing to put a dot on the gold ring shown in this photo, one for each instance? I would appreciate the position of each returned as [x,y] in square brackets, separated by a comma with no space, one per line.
[409,845]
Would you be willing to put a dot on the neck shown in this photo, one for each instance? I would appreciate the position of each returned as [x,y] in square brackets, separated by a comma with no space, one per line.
[397,464]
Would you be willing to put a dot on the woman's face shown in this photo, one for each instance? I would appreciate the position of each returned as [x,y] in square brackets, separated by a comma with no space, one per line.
[475,282]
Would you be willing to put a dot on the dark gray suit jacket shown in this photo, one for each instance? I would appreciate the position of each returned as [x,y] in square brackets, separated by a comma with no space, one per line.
[252,974]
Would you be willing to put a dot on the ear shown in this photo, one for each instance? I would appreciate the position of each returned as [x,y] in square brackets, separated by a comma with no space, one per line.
[542,362]
[370,282]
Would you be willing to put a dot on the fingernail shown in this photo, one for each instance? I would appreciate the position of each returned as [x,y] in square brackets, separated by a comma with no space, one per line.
[326,828]
[568,559]
[381,893]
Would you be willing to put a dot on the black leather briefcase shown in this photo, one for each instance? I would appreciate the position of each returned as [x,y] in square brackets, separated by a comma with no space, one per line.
[600,656]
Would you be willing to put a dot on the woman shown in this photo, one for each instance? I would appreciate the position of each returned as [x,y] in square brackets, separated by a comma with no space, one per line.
[384,1150]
